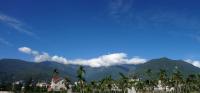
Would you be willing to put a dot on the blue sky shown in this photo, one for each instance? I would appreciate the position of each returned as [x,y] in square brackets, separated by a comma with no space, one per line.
[91,28]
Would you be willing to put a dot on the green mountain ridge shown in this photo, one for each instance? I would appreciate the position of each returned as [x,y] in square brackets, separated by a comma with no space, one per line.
[168,65]
[14,69]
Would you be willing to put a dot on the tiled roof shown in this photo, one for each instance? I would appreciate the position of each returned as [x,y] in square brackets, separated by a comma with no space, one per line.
[56,79]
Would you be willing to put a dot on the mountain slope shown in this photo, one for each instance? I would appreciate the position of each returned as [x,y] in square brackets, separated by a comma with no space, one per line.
[13,69]
[167,64]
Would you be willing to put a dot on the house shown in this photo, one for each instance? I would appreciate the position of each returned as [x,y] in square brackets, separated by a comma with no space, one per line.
[161,88]
[115,88]
[131,90]
[42,85]
[57,83]
[18,82]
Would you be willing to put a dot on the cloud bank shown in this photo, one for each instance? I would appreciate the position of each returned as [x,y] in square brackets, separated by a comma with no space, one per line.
[193,62]
[101,61]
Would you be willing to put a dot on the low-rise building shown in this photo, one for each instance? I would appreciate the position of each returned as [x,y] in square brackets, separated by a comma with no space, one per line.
[57,83]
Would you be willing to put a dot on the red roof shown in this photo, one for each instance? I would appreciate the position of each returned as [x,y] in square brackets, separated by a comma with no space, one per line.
[56,79]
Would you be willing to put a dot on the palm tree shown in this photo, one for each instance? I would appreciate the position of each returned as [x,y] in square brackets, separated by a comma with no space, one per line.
[101,85]
[106,83]
[178,79]
[124,81]
[163,75]
[139,86]
[93,86]
[109,82]
[191,83]
[149,73]
[198,82]
[149,81]
[88,88]
[67,82]
[81,79]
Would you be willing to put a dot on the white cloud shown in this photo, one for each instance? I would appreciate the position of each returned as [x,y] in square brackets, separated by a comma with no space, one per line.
[109,60]
[193,62]
[25,50]
[38,57]
[104,60]
[3,41]
[136,60]
[35,52]
[42,57]
[59,59]
[16,24]
[120,8]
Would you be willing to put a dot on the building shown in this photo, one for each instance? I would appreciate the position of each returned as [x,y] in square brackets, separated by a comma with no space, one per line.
[131,90]
[57,83]
[42,85]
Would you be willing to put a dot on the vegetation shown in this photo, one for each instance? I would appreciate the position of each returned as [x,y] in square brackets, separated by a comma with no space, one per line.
[81,79]
[191,84]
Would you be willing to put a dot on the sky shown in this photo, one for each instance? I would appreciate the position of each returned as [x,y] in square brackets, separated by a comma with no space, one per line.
[100,32]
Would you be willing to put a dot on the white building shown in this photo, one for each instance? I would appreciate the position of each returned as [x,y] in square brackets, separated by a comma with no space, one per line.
[57,83]
[131,90]
[161,88]
[42,85]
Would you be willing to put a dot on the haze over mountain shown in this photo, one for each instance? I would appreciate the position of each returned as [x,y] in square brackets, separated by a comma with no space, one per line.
[14,69]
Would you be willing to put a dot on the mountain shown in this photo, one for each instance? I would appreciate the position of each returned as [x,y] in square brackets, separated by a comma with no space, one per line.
[14,69]
[91,73]
[167,64]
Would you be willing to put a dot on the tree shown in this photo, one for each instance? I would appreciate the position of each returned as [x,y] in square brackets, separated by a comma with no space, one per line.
[178,79]
[198,82]
[123,82]
[149,73]
[139,86]
[81,79]
[109,82]
[29,85]
[93,86]
[106,83]
[191,82]
[162,75]
[102,85]
[149,82]
[67,82]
